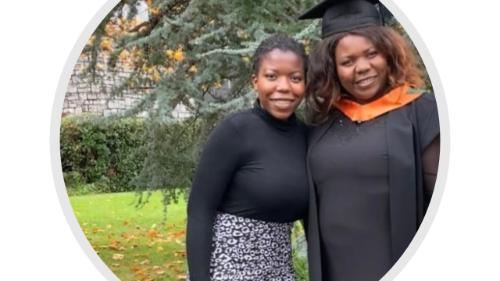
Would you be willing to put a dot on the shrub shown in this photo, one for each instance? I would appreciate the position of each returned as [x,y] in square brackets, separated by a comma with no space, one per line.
[72,178]
[128,154]
[102,152]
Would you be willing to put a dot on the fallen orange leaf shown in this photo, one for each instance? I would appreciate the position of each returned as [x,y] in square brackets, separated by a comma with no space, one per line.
[178,234]
[152,233]
[114,245]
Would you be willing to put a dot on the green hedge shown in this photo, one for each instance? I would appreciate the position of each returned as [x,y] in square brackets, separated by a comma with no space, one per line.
[101,154]
[129,154]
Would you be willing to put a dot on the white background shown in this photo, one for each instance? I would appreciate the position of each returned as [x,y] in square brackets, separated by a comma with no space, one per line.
[36,241]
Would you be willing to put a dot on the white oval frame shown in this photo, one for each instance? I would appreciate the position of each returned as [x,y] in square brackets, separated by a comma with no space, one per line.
[56,157]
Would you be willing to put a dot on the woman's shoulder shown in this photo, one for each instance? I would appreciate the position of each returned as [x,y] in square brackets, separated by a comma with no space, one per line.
[236,121]
[426,98]
[426,104]
[251,120]
[333,114]
[314,131]
[240,118]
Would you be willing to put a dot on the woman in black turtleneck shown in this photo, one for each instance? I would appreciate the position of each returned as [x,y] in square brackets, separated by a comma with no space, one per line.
[251,184]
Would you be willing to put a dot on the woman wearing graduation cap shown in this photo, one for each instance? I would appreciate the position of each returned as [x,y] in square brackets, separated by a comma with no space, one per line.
[374,151]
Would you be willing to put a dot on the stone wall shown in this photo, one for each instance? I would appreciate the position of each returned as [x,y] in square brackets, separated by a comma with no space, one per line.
[85,96]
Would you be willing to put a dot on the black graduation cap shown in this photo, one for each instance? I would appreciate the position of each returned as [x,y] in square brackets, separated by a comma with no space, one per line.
[345,15]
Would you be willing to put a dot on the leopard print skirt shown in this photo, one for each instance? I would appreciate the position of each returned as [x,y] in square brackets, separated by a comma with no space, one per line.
[246,249]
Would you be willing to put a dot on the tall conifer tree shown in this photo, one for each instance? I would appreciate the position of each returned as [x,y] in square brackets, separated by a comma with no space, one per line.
[191,52]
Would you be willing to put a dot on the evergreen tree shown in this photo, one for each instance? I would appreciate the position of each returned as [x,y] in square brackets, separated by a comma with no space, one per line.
[191,52]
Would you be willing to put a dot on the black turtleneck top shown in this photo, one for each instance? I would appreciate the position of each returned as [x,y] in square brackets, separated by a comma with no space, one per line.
[253,166]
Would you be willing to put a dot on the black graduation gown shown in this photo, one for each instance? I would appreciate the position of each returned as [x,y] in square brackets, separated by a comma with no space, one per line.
[408,130]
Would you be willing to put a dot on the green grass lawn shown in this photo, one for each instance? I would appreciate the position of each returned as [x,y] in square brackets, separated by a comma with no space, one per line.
[135,243]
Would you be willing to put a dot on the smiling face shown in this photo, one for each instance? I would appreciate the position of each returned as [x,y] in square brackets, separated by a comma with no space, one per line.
[280,83]
[362,70]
